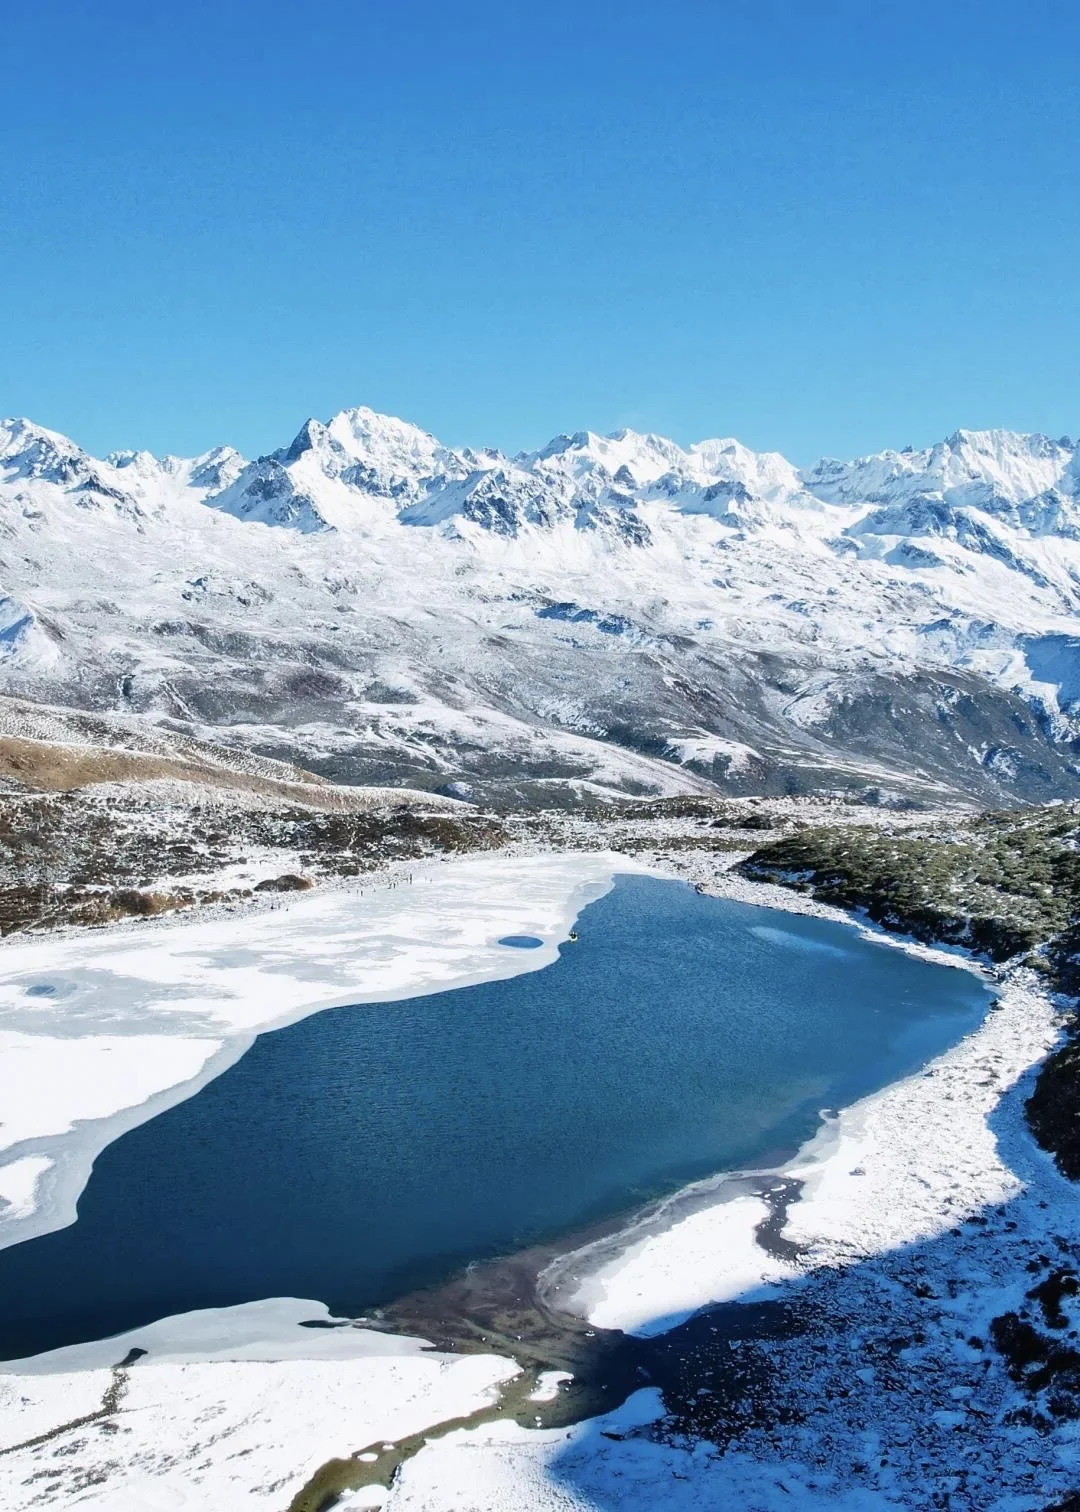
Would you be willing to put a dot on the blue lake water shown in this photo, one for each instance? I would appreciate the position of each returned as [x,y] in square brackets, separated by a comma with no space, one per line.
[368,1150]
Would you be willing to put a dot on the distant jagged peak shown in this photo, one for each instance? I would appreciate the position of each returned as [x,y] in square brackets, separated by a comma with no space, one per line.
[656,466]
[365,431]
[157,481]
[126,479]
[1000,444]
[218,457]
[217,468]
[374,453]
[365,434]
[767,475]
[721,451]
[266,492]
[311,434]
[29,453]
[976,468]
[33,451]
[1019,464]
[144,462]
[558,446]
[149,462]
[17,431]
[643,455]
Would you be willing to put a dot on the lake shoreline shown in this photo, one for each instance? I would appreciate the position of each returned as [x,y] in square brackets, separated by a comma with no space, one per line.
[835,1246]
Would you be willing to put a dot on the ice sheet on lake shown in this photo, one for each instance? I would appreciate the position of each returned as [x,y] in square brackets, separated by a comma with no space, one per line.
[101,1030]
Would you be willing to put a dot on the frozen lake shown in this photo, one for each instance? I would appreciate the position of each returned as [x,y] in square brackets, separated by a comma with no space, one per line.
[365,1151]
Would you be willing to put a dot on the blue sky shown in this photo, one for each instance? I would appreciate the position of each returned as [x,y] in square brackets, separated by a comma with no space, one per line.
[821,227]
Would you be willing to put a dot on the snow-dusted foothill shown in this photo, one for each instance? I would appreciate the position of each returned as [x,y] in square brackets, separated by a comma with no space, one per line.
[606,613]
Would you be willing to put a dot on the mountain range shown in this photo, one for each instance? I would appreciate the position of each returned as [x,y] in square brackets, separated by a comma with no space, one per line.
[606,615]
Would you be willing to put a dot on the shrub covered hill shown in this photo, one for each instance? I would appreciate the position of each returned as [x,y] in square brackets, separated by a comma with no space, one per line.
[1004,884]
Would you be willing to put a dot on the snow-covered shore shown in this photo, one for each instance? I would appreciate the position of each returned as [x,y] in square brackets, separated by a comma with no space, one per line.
[233,1403]
[891,1393]
[899,1166]
[101,1030]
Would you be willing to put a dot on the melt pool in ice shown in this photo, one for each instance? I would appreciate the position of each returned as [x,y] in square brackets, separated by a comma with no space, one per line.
[369,1150]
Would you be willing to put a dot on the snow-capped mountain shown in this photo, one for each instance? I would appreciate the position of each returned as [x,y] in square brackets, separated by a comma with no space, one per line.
[607,611]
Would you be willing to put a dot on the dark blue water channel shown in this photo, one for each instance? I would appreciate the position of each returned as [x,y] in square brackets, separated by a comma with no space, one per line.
[367,1150]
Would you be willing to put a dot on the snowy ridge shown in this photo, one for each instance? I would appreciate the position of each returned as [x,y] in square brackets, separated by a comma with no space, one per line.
[616,612]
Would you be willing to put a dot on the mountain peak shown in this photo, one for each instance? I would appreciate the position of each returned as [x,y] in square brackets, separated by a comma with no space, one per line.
[18,436]
[997,441]
[375,453]
[29,451]
[982,469]
[365,432]
[645,457]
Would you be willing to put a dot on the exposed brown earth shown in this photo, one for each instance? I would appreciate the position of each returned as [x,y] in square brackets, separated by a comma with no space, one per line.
[101,820]
[45,766]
